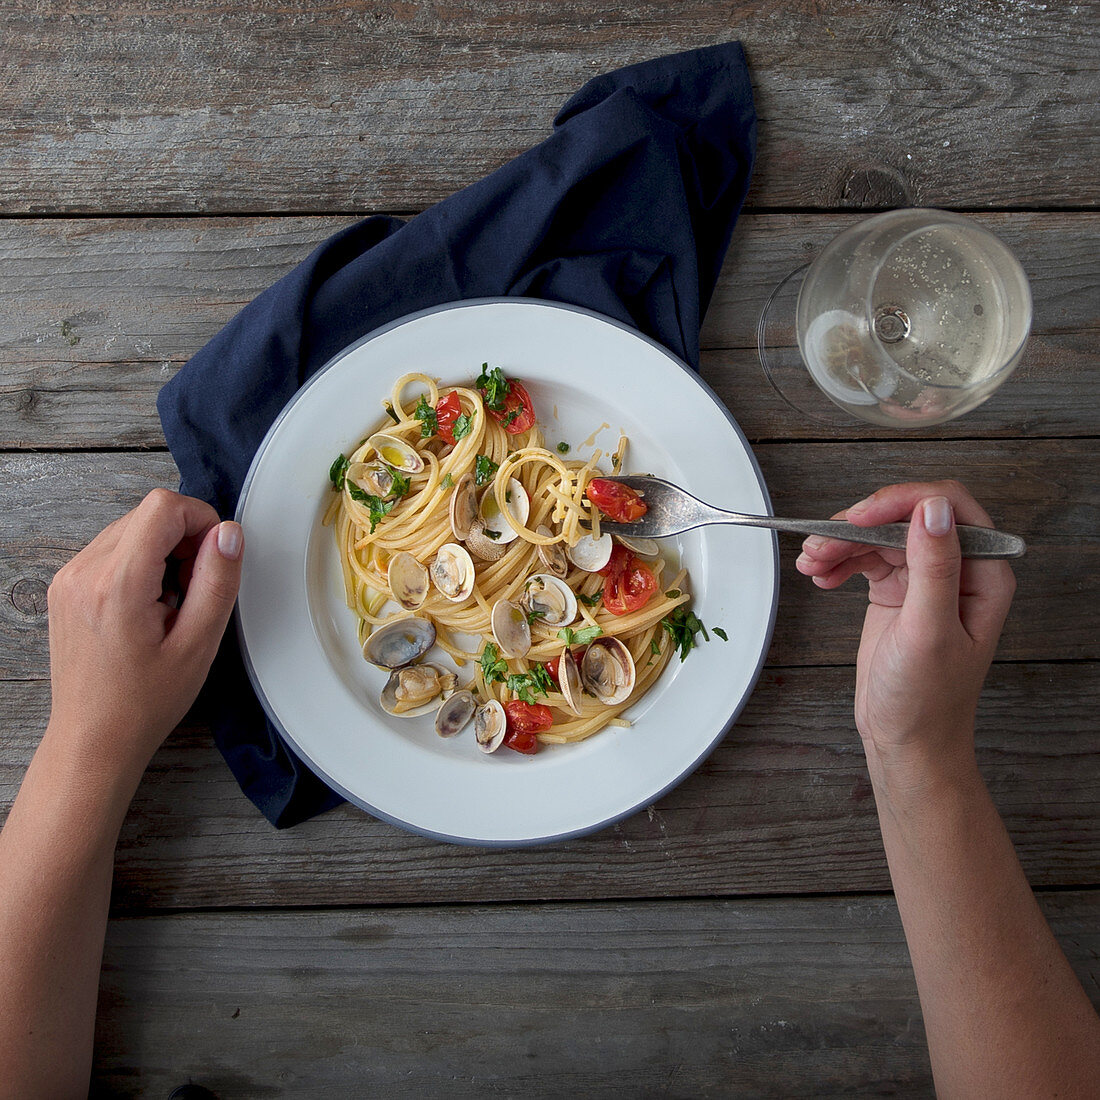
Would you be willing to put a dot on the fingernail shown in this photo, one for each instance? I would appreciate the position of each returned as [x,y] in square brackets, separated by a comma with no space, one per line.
[814,543]
[859,505]
[803,561]
[937,516]
[230,539]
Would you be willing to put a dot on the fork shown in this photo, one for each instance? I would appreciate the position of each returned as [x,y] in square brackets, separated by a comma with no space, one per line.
[672,510]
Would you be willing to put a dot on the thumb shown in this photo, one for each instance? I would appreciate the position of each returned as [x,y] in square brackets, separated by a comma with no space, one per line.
[935,564]
[212,590]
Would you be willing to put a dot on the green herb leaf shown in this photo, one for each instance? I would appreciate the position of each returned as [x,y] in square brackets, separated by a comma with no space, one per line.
[579,637]
[462,427]
[493,669]
[721,633]
[489,533]
[513,415]
[525,685]
[591,601]
[654,647]
[563,448]
[484,469]
[378,507]
[674,593]
[337,471]
[681,626]
[401,483]
[494,387]
[393,416]
[447,481]
[534,616]
[423,412]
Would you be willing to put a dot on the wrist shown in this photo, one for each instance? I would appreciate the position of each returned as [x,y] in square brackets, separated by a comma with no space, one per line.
[91,766]
[920,771]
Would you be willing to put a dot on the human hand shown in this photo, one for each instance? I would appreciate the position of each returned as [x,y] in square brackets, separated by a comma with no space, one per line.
[125,662]
[931,626]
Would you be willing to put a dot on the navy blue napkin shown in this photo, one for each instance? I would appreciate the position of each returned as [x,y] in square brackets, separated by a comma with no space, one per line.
[626,208]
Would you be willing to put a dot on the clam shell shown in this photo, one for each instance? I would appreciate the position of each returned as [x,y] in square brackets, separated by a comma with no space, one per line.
[505,517]
[464,512]
[643,548]
[511,629]
[408,580]
[490,726]
[591,554]
[371,478]
[396,453]
[399,642]
[415,690]
[454,713]
[452,572]
[607,671]
[482,546]
[551,597]
[552,554]
[569,680]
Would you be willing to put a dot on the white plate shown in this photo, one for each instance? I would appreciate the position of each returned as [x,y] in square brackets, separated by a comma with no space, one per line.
[298,637]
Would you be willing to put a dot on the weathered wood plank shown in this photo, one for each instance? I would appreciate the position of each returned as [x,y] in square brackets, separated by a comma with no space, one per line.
[783,805]
[214,107]
[1046,490]
[762,998]
[96,315]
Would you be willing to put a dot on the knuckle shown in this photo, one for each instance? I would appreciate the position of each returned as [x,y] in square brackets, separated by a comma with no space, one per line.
[158,501]
[942,569]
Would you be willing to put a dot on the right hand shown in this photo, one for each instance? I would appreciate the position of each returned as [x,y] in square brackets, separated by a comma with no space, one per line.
[932,623]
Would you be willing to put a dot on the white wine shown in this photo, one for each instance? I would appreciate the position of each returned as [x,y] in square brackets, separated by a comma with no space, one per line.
[913,317]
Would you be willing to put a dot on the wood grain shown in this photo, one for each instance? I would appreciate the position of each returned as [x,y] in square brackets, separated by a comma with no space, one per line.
[213,107]
[749,999]
[783,806]
[1045,490]
[96,315]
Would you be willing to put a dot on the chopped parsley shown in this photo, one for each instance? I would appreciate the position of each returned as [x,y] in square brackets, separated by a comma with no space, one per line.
[563,448]
[401,483]
[494,387]
[591,601]
[378,507]
[392,415]
[513,415]
[429,423]
[534,616]
[654,651]
[579,637]
[493,669]
[674,593]
[526,684]
[489,533]
[463,425]
[721,633]
[447,481]
[484,469]
[337,471]
[682,625]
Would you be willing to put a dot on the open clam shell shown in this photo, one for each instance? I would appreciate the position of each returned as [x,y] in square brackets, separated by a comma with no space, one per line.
[607,671]
[490,726]
[464,507]
[399,642]
[510,629]
[408,580]
[569,680]
[396,453]
[415,690]
[505,517]
[454,713]
[371,477]
[552,554]
[590,553]
[482,546]
[549,600]
[452,572]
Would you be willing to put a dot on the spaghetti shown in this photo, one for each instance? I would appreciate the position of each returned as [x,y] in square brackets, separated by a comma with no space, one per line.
[375,519]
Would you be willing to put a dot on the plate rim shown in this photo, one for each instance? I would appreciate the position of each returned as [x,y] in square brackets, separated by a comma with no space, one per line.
[584,830]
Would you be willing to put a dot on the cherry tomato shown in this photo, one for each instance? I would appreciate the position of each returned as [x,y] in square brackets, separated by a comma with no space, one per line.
[447,412]
[617,564]
[551,667]
[616,501]
[524,722]
[518,402]
[629,583]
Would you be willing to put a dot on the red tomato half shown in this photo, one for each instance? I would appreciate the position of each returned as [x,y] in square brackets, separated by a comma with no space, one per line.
[447,412]
[524,722]
[618,502]
[628,584]
[517,401]
[617,564]
[551,667]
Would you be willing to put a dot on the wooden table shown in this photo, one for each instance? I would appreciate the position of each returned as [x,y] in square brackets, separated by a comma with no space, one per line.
[160,165]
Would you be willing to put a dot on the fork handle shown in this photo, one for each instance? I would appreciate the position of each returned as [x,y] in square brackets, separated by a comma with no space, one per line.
[975,542]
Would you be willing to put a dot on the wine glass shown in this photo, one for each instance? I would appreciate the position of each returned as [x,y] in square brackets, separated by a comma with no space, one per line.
[907,319]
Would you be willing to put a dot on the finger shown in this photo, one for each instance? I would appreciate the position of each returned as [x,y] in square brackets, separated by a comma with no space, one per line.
[896,502]
[935,567]
[870,565]
[210,596]
[159,524]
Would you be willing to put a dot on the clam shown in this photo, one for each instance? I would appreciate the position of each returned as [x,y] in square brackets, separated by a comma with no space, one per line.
[371,478]
[644,548]
[482,545]
[408,580]
[399,642]
[552,554]
[569,680]
[591,553]
[505,519]
[607,671]
[511,629]
[396,453]
[549,599]
[454,713]
[463,507]
[490,726]
[452,572]
[416,689]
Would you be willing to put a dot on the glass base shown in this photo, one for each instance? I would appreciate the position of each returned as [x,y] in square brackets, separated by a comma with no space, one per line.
[777,346]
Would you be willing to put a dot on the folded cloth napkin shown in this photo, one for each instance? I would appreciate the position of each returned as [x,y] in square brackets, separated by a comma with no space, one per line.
[626,208]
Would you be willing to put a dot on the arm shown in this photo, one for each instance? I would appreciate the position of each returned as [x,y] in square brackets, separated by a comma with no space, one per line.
[125,666]
[1004,1013]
